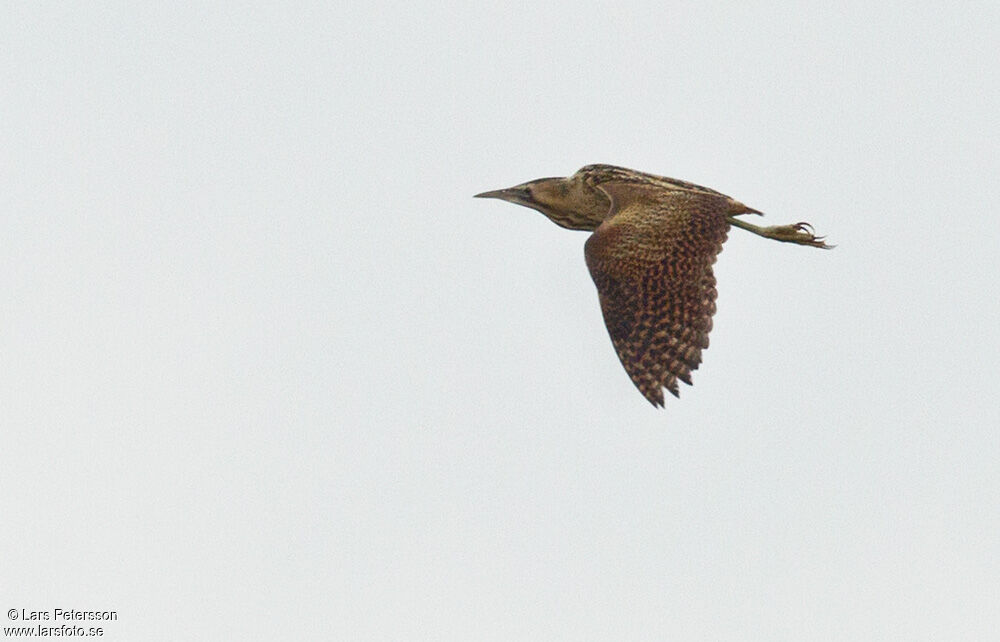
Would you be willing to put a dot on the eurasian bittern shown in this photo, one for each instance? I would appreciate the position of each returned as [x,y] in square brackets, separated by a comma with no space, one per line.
[651,254]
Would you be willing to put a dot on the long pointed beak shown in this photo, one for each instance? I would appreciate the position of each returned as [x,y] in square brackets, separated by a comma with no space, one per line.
[513,194]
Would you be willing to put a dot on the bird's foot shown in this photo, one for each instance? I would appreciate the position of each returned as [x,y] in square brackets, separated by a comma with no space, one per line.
[801,233]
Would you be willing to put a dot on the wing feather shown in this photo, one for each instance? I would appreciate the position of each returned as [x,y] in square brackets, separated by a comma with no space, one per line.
[651,260]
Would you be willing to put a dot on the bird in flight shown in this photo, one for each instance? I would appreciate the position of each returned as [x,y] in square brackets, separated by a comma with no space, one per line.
[651,253]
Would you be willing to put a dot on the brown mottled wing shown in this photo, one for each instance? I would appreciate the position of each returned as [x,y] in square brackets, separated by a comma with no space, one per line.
[652,262]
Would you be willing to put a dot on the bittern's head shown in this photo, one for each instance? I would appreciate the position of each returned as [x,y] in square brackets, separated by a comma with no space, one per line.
[569,202]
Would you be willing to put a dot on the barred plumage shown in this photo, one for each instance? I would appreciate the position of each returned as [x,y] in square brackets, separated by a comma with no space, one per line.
[651,254]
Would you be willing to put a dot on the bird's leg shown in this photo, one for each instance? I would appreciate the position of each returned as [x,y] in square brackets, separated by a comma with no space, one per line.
[800,233]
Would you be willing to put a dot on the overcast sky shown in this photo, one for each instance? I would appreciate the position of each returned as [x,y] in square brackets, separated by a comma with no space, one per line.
[268,371]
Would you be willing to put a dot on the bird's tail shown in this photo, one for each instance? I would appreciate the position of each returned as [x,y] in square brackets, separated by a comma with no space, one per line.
[736,208]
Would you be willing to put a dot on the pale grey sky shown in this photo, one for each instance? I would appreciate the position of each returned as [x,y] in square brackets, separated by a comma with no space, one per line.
[270,372]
